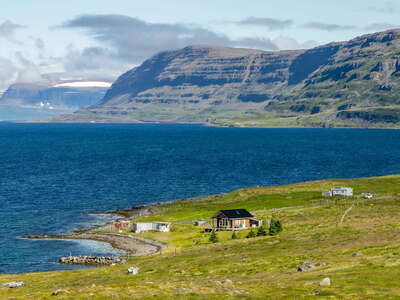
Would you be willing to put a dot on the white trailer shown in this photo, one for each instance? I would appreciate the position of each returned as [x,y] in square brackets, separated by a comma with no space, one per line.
[151,226]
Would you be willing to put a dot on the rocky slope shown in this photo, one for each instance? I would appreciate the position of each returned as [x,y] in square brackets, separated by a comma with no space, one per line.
[353,83]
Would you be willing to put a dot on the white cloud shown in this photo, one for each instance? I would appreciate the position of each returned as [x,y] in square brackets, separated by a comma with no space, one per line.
[29,73]
[288,43]
[381,26]
[269,23]
[8,71]
[327,26]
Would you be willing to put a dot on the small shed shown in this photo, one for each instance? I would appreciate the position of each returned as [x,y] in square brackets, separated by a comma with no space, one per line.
[234,219]
[327,194]
[151,226]
[121,224]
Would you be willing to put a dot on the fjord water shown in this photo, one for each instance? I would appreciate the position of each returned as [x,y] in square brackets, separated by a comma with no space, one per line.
[50,174]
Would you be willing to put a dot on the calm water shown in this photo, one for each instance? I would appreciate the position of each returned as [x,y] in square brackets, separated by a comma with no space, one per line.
[51,173]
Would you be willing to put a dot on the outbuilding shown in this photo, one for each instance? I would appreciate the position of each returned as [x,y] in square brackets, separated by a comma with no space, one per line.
[121,224]
[338,191]
[342,191]
[151,226]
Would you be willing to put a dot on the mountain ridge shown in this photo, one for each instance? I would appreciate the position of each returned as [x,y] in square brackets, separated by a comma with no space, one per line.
[340,84]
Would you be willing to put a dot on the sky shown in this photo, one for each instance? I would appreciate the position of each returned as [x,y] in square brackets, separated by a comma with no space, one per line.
[50,40]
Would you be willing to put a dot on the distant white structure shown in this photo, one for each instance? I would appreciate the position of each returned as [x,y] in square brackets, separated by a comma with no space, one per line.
[367,195]
[339,191]
[327,194]
[153,226]
[342,191]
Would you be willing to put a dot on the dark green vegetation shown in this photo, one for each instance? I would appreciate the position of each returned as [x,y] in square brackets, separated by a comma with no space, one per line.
[263,267]
[261,231]
[275,227]
[346,84]
[213,237]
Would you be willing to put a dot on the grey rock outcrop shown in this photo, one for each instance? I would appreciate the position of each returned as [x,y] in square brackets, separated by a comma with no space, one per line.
[306,266]
[90,260]
[14,284]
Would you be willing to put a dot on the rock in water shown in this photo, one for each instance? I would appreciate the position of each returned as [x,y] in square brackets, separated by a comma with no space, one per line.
[325,282]
[133,270]
[14,284]
[306,266]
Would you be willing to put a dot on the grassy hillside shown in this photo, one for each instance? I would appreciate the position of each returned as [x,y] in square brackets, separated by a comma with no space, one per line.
[257,268]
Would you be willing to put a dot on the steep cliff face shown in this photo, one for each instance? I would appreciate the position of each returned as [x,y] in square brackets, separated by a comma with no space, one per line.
[203,75]
[252,87]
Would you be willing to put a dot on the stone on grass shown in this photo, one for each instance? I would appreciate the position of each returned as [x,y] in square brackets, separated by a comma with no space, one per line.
[227,283]
[13,284]
[325,282]
[58,292]
[133,270]
[306,266]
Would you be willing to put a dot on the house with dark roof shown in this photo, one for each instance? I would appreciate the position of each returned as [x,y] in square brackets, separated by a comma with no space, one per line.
[234,219]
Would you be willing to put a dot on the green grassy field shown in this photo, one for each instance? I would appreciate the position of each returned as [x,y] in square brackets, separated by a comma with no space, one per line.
[258,268]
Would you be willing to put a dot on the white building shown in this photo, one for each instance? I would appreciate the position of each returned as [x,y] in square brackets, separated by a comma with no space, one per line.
[152,226]
[339,191]
[342,191]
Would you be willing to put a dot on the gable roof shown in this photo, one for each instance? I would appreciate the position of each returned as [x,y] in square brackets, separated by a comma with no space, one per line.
[234,213]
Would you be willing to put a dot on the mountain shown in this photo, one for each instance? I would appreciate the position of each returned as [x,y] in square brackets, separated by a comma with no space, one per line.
[22,101]
[343,84]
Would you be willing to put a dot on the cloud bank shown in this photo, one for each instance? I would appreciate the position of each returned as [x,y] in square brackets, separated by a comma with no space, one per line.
[269,23]
[133,40]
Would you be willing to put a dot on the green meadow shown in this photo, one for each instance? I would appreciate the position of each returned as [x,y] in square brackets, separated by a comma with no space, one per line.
[326,232]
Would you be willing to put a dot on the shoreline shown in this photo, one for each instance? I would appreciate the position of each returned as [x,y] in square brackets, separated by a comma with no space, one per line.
[205,124]
[130,245]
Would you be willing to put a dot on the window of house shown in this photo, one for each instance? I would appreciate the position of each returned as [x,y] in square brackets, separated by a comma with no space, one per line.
[239,223]
[223,222]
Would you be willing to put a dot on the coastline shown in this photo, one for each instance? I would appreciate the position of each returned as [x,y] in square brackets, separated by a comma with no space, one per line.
[130,245]
[218,125]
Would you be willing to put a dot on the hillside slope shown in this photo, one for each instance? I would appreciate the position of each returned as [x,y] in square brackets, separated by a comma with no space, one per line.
[353,83]
[360,256]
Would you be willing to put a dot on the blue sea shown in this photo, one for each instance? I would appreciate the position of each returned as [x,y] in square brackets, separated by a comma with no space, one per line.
[52,175]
